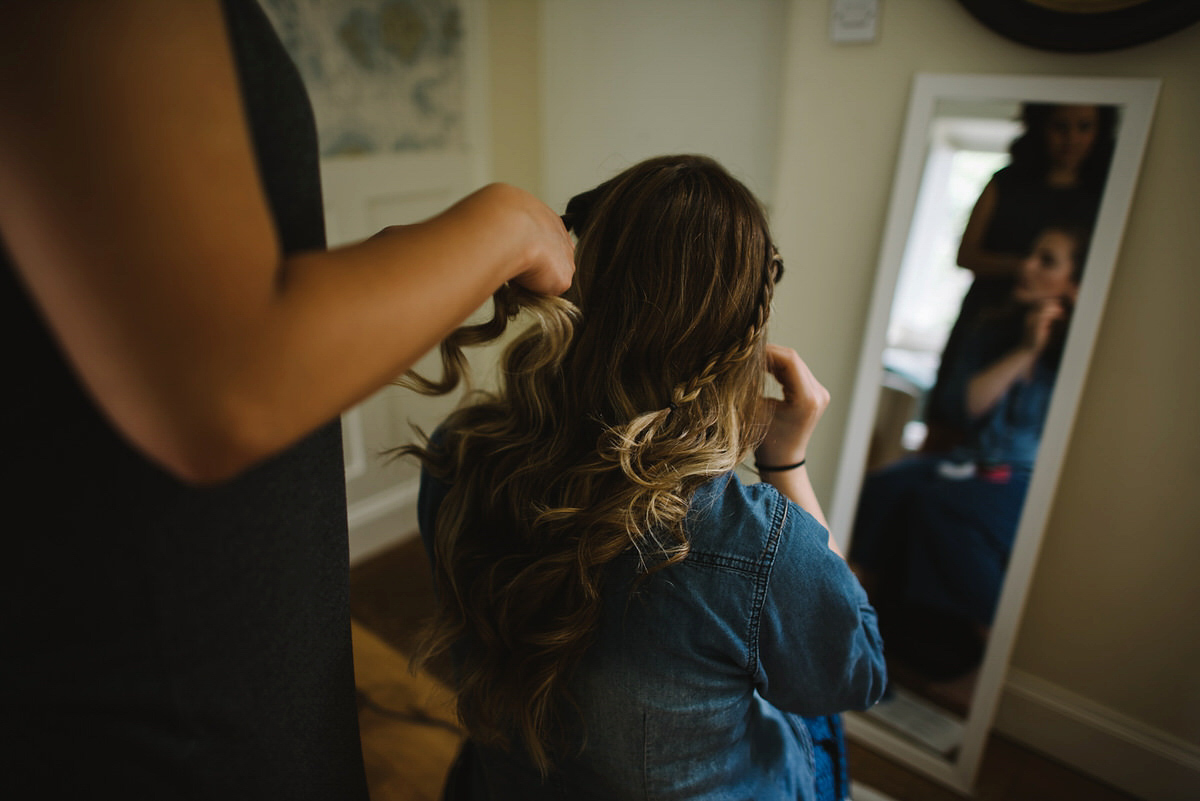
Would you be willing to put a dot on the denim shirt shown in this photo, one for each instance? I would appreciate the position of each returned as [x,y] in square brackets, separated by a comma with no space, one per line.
[695,683]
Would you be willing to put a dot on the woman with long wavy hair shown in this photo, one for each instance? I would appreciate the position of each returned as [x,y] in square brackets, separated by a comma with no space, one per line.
[627,618]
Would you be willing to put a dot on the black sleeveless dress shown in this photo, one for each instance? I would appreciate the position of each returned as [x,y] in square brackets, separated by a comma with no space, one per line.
[158,640]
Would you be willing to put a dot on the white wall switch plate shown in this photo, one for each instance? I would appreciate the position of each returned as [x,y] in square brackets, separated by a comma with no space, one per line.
[853,21]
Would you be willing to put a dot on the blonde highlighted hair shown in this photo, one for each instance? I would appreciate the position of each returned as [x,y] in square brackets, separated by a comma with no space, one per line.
[615,406]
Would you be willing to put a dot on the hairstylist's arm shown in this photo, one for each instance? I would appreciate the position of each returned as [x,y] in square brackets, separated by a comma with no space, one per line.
[971,253]
[131,205]
[793,420]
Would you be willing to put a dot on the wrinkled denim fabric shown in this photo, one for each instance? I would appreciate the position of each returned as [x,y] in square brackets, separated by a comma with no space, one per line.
[698,676]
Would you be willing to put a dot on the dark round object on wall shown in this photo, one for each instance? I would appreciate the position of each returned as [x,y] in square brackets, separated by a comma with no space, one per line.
[1084,26]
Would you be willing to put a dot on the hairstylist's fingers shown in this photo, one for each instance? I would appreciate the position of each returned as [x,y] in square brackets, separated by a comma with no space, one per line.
[550,265]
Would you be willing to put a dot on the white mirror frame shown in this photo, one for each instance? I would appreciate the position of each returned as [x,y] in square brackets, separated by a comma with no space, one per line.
[1137,98]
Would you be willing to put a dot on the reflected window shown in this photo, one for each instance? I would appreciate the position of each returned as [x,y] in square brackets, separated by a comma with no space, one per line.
[964,153]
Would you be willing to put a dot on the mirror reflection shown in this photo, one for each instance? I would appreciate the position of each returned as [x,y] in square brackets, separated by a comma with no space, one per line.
[991,271]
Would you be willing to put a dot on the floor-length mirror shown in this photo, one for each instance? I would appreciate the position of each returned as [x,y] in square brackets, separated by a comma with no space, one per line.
[1006,215]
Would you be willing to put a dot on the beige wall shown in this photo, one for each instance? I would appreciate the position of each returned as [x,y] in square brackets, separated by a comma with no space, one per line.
[514,73]
[1114,608]
[624,80]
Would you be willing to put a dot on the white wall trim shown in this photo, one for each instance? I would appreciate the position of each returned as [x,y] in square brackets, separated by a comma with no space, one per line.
[398,505]
[861,792]
[356,451]
[1113,747]
[383,503]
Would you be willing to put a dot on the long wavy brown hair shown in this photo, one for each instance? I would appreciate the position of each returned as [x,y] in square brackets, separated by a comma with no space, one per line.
[615,405]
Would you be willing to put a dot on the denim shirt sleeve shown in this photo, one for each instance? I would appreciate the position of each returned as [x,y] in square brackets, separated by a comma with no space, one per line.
[819,649]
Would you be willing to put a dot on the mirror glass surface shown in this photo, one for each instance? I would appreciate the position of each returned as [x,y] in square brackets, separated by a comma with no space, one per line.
[944,484]
[1007,208]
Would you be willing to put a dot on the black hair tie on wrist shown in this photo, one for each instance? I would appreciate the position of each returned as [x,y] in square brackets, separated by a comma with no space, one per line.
[778,468]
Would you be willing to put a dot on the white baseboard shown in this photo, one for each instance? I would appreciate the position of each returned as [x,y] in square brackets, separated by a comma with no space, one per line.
[382,520]
[1115,748]
[862,792]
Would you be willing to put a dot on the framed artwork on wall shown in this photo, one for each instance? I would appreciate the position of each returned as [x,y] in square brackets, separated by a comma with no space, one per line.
[1083,26]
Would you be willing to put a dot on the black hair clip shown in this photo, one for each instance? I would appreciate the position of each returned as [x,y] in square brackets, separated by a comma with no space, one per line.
[579,208]
[776,264]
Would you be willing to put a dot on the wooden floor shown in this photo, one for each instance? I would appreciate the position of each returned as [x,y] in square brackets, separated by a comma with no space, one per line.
[408,741]
[406,721]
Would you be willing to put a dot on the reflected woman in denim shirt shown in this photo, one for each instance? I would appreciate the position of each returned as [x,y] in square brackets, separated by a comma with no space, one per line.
[627,619]
[933,533]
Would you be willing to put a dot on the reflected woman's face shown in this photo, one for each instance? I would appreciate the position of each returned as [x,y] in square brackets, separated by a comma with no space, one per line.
[1070,134]
[1048,272]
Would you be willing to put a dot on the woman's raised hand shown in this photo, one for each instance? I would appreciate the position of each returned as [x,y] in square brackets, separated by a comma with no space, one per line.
[1039,322]
[795,417]
[793,420]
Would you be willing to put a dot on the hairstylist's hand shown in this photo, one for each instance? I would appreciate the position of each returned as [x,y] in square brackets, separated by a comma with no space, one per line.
[523,237]
[794,418]
[1039,322]
[548,262]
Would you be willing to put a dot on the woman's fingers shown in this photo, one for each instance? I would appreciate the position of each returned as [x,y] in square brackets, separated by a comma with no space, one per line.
[1039,321]
[777,366]
[800,387]
[794,418]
